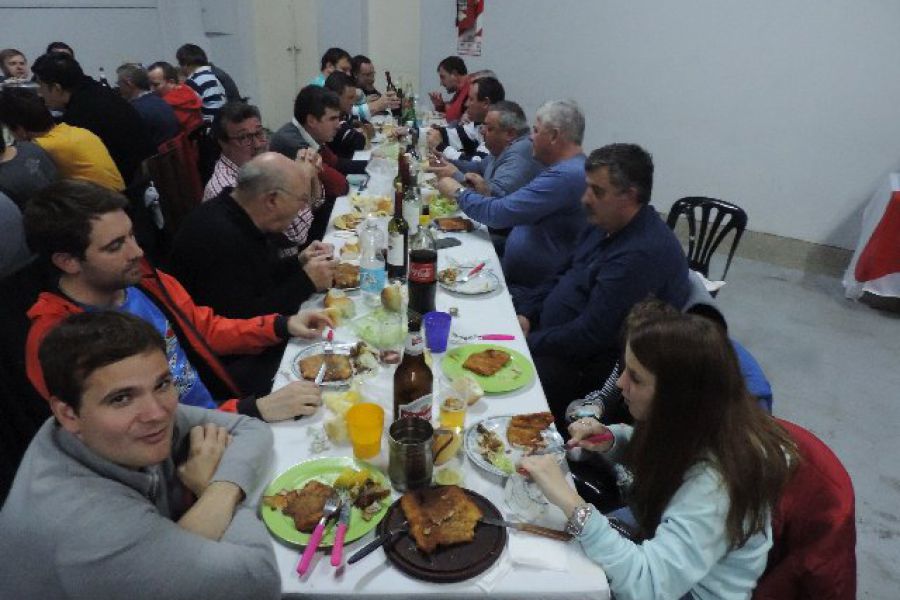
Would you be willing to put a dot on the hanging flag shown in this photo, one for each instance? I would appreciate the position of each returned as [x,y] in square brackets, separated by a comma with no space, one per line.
[468,27]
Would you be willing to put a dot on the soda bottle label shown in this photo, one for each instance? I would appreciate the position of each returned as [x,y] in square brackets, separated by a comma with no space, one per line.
[395,254]
[422,272]
[420,408]
[372,280]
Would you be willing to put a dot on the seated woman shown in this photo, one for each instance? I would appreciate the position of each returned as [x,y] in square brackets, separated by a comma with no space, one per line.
[606,403]
[708,467]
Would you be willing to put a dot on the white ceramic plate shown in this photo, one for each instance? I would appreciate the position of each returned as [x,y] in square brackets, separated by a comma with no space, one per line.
[498,425]
[319,348]
[484,282]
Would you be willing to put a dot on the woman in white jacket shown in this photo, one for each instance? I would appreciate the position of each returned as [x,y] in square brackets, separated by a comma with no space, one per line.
[708,467]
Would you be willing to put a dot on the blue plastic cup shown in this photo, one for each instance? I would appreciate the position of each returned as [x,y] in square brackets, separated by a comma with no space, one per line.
[437,330]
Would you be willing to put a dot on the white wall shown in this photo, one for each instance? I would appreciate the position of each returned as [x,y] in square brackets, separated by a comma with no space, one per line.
[788,109]
[109,32]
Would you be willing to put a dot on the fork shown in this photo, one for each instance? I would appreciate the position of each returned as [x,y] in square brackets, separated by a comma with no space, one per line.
[332,504]
[489,337]
[475,271]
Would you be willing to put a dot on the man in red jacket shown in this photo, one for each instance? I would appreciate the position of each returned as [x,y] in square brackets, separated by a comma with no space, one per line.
[183,100]
[82,230]
[455,79]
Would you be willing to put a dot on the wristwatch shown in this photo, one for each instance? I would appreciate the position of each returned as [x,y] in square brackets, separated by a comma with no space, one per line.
[577,521]
[458,193]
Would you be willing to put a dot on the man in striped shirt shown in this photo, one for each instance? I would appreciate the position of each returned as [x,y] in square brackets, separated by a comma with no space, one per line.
[199,76]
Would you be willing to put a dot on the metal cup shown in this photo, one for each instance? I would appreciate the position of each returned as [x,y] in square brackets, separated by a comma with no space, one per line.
[410,461]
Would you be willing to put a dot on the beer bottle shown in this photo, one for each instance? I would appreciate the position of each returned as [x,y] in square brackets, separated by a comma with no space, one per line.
[413,379]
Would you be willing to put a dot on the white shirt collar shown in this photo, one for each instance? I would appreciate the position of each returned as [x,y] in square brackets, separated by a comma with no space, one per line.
[305,135]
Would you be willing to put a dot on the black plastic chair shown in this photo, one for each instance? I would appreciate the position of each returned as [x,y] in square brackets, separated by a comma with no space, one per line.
[709,221]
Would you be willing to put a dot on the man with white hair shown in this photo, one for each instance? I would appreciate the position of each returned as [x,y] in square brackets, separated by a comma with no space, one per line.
[546,215]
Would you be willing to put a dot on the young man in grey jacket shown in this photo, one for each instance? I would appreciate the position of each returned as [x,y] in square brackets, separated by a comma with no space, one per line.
[125,493]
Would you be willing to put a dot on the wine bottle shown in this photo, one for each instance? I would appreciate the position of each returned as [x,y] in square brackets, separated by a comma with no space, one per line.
[398,240]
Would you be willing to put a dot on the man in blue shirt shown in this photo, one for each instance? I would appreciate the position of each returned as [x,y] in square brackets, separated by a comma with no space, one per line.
[546,215]
[573,320]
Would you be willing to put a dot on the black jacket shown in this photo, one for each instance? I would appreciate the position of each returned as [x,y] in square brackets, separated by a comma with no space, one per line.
[115,121]
[228,264]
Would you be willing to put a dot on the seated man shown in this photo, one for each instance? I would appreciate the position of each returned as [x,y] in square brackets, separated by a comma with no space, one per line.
[85,103]
[369,101]
[227,251]
[315,123]
[465,140]
[199,76]
[510,164]
[573,320]
[348,138]
[545,215]
[453,75]
[14,252]
[238,130]
[82,231]
[158,116]
[183,100]
[76,152]
[232,94]
[25,168]
[13,65]
[126,494]
[334,59]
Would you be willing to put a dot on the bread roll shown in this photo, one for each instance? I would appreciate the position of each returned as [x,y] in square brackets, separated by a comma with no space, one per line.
[392,298]
[339,300]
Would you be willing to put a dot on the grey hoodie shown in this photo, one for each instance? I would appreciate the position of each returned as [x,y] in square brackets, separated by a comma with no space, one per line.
[76,525]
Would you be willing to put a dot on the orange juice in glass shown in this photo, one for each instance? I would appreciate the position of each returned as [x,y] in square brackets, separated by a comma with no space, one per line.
[452,413]
[365,424]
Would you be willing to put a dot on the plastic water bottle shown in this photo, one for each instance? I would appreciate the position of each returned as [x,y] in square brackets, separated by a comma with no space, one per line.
[372,274]
[151,201]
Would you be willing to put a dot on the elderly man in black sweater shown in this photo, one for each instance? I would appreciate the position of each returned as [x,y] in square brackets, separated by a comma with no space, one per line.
[230,253]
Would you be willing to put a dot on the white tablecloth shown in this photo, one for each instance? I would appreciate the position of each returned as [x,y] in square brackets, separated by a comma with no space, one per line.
[530,567]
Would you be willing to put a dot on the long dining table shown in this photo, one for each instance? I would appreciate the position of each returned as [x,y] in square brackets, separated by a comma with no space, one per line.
[529,566]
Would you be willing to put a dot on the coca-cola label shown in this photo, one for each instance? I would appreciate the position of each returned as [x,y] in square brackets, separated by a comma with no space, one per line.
[422,272]
[420,408]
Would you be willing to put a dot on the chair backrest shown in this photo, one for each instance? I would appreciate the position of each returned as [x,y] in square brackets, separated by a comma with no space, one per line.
[813,529]
[709,221]
[178,190]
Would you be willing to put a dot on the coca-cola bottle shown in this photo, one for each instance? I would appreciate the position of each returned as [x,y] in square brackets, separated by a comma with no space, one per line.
[422,271]
[413,379]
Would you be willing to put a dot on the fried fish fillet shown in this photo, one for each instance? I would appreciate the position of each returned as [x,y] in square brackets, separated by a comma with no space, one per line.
[337,367]
[525,430]
[346,275]
[304,506]
[487,362]
[440,516]
[455,224]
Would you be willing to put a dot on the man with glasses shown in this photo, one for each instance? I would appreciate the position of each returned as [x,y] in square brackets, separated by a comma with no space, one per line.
[238,130]
[228,252]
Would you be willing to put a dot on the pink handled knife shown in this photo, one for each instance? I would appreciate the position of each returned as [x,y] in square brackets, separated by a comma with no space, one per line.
[337,552]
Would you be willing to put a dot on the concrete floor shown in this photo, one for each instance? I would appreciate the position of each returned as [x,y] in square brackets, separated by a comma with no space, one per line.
[834,365]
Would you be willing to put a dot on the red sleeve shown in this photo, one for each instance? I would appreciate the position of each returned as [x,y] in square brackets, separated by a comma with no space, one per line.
[224,336]
[457,106]
[333,181]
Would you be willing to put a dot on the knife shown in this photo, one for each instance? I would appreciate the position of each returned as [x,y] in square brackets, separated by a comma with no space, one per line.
[553,534]
[337,552]
[379,541]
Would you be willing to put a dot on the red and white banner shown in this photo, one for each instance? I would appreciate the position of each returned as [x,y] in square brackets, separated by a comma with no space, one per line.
[875,267]
[468,27]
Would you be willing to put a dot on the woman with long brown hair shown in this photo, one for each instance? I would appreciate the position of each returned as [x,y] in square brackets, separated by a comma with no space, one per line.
[708,467]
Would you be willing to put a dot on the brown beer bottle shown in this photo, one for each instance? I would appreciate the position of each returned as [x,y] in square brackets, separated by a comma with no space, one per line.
[413,378]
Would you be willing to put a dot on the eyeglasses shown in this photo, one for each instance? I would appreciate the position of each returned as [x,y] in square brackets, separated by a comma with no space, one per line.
[247,138]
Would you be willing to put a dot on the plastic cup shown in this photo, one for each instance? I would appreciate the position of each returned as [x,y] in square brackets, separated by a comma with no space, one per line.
[437,330]
[365,424]
[452,413]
